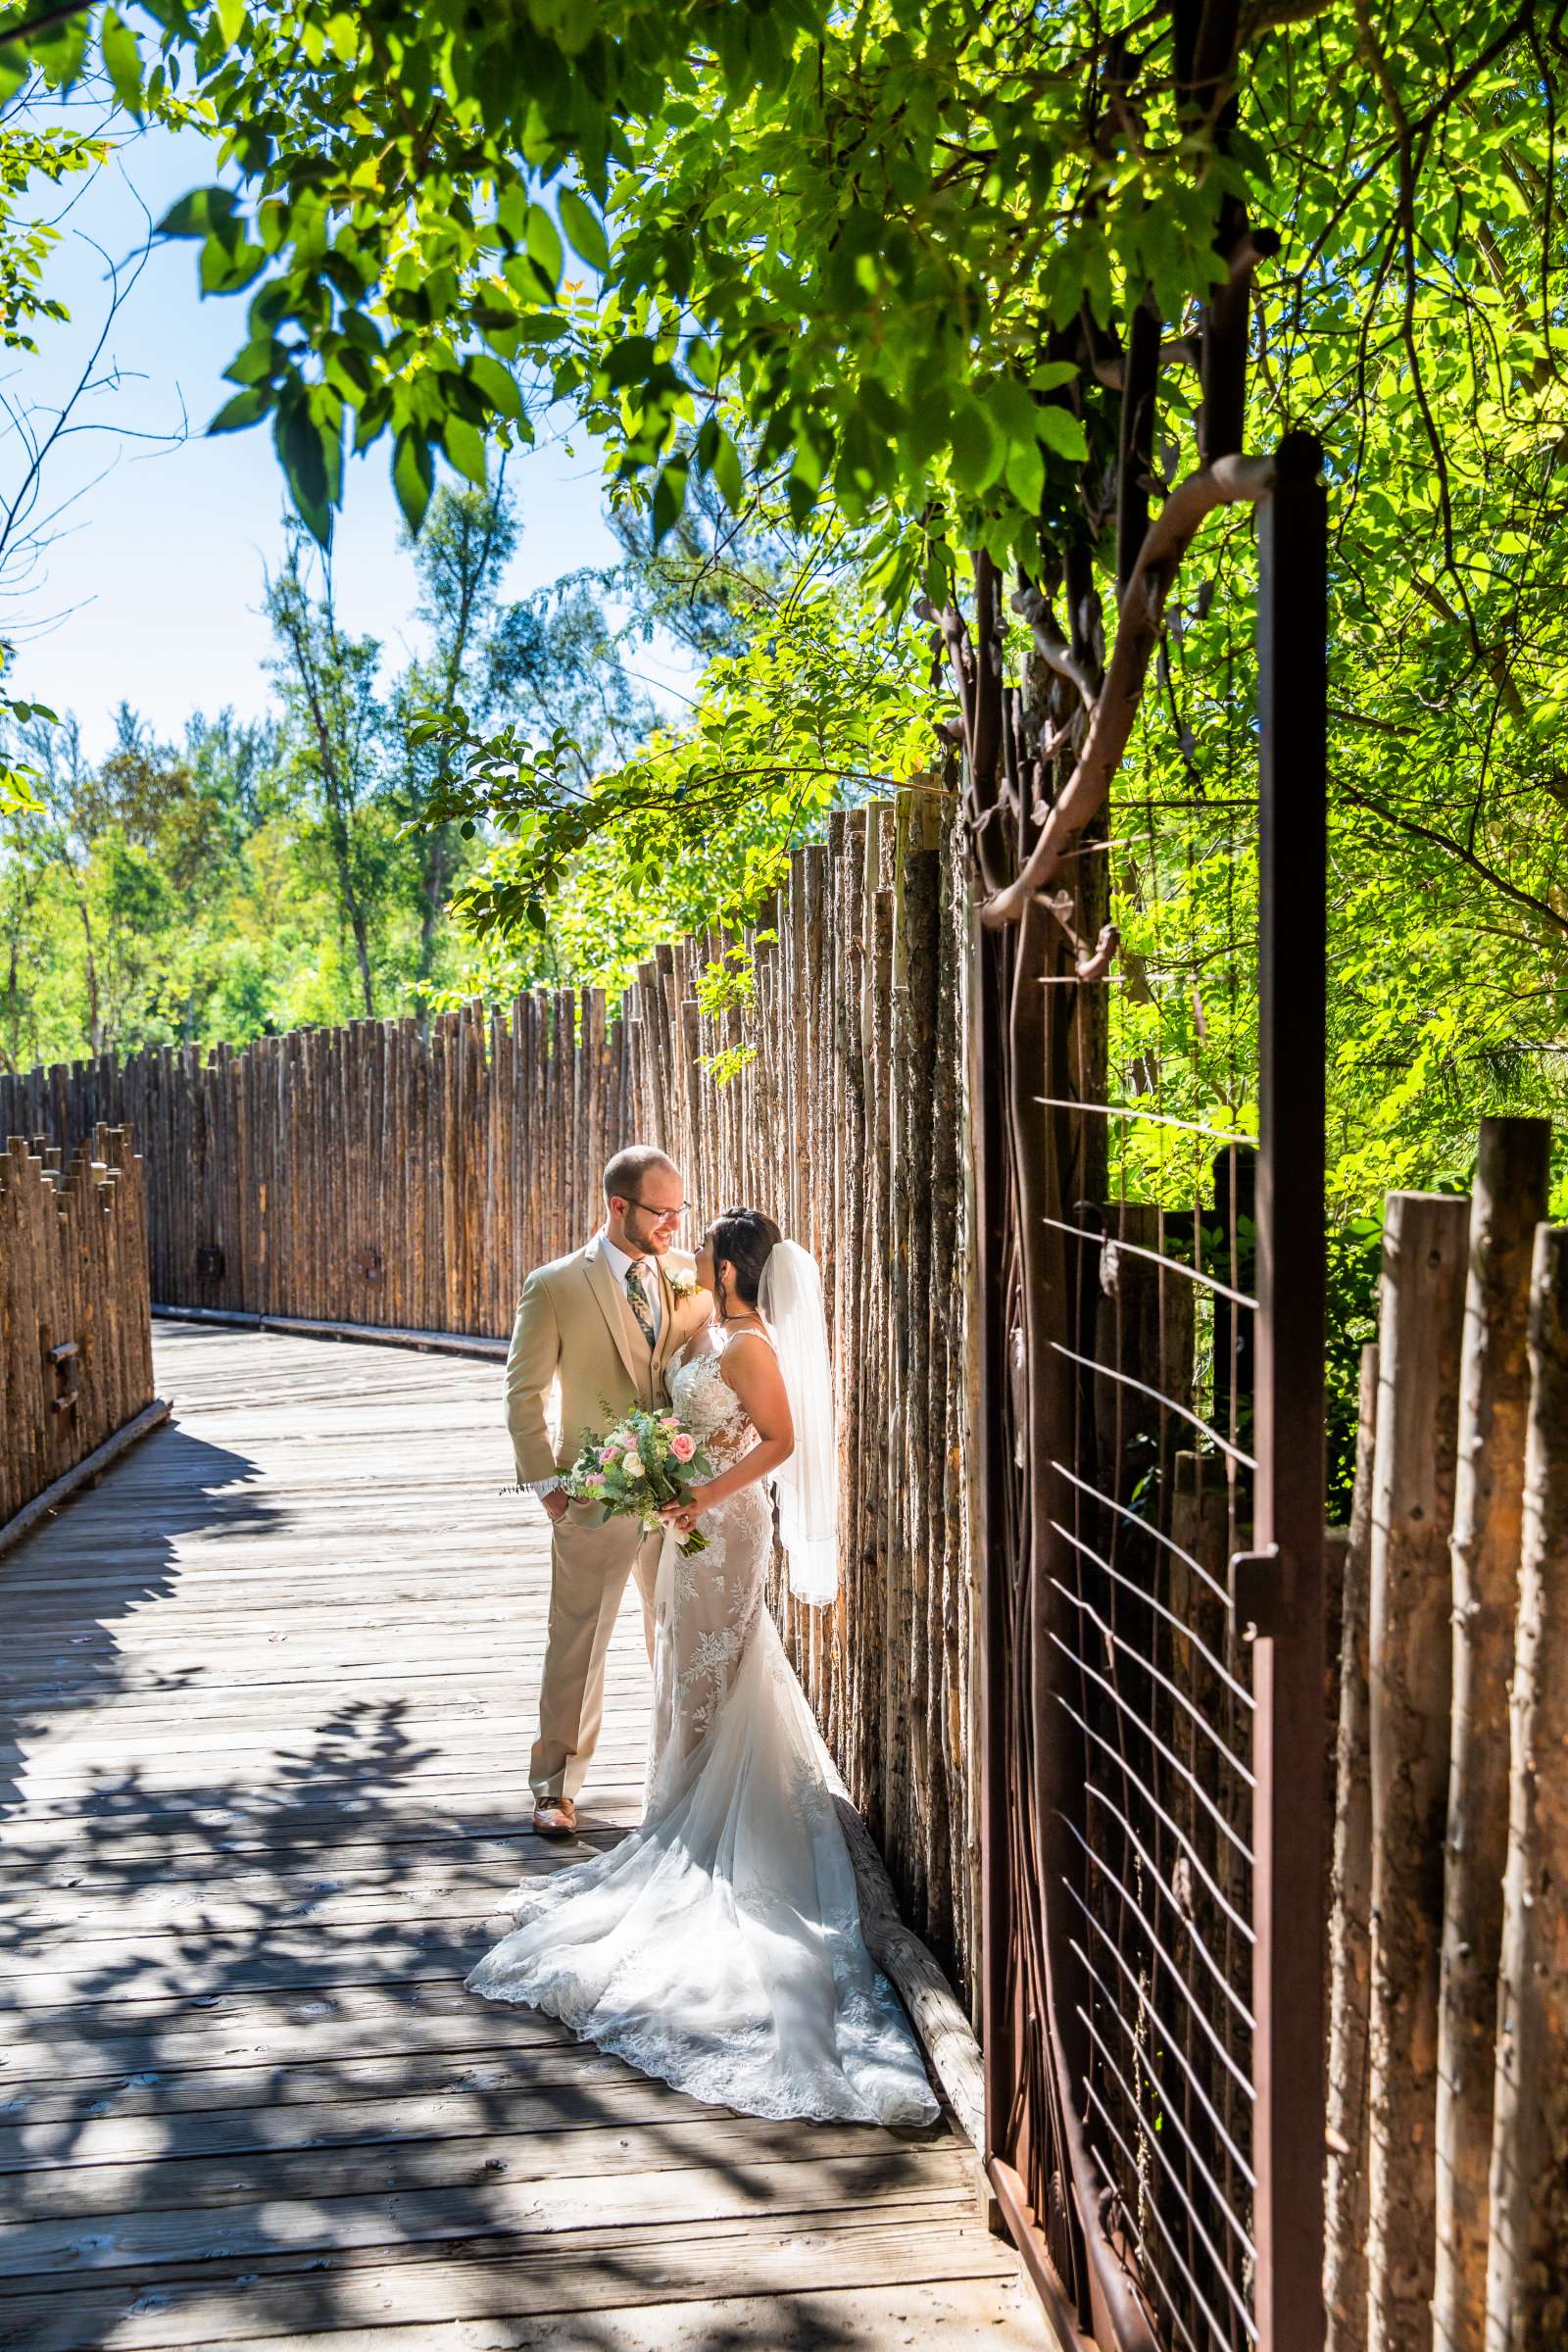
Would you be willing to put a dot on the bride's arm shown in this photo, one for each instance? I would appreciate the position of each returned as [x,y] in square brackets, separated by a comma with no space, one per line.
[754,1375]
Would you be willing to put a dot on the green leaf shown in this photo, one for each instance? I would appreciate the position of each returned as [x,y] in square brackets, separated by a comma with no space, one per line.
[977,447]
[246,407]
[122,61]
[16,788]
[299,446]
[1011,410]
[227,267]
[585,230]
[1025,474]
[198,214]
[497,384]
[544,244]
[14,67]
[60,54]
[412,476]
[669,498]
[726,471]
[230,16]
[254,364]
[1061,432]
[464,446]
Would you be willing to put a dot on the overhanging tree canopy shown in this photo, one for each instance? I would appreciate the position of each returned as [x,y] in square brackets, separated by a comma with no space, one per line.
[931,263]
[945,274]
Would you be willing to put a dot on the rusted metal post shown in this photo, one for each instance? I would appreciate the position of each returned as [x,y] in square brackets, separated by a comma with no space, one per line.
[1287,1596]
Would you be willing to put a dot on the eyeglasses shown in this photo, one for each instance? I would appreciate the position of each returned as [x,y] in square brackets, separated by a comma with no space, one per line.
[660,1216]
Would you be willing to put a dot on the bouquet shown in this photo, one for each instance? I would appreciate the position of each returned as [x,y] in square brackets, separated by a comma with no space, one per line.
[645,1463]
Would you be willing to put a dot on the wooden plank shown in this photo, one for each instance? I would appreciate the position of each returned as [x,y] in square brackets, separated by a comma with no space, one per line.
[321,2167]
[81,1474]
[537,2280]
[560,2091]
[487,2206]
[269,1691]
[321,1327]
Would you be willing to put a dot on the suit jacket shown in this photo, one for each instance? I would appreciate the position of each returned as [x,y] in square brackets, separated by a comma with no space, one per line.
[576,1327]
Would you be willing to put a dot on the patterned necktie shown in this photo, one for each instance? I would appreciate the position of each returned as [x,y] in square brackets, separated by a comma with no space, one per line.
[639,1305]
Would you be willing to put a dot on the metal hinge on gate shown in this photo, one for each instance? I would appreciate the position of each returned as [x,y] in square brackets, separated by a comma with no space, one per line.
[1260,1602]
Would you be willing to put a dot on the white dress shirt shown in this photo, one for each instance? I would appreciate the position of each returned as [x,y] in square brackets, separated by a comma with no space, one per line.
[621,1265]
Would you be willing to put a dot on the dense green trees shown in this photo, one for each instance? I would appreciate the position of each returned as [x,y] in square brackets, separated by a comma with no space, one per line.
[258,876]
[871,283]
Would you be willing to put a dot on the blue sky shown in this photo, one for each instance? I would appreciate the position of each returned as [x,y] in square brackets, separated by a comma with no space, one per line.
[152,592]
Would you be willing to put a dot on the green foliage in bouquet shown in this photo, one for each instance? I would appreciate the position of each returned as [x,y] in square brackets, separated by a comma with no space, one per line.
[645,1463]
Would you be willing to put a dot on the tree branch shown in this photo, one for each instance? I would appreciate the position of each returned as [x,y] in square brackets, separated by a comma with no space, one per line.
[1466,857]
[1031,605]
[1230,481]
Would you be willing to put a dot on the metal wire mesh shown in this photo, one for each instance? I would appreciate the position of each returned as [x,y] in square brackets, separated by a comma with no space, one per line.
[1154,1503]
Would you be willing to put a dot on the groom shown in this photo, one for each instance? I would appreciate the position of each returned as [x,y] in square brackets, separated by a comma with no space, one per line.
[603,1322]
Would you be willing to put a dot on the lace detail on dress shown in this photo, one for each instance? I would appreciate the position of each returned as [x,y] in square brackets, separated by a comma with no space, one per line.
[707,1606]
[719,1945]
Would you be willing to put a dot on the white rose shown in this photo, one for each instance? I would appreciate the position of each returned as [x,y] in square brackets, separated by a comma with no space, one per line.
[632,1465]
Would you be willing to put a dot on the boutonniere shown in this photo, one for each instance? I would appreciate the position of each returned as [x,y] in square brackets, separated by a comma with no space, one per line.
[683,1284]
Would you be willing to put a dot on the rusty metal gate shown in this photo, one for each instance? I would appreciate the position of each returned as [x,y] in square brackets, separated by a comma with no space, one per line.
[1153,1810]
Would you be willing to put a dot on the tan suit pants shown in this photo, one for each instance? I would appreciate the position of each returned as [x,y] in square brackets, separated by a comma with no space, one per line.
[588,1570]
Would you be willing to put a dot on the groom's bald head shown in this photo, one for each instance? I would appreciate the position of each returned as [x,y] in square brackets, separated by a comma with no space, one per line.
[643,1199]
[624,1175]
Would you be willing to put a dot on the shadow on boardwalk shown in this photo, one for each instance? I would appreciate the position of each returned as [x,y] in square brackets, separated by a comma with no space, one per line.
[268,1792]
[61,1608]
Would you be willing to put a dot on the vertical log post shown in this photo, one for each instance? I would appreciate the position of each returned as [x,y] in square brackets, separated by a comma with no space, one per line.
[1527,2272]
[1421,1322]
[1512,1178]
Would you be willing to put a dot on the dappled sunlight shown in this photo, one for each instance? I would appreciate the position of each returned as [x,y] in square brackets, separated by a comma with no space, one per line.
[262,1822]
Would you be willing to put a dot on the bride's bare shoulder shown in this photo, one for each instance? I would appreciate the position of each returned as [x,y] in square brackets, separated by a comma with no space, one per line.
[735,1358]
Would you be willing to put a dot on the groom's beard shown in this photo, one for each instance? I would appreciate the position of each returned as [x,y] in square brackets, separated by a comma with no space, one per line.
[652,1245]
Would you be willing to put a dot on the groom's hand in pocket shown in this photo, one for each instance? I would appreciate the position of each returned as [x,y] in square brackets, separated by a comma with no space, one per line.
[558,1502]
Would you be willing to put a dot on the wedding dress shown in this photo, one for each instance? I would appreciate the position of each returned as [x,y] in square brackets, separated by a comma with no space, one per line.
[720,1947]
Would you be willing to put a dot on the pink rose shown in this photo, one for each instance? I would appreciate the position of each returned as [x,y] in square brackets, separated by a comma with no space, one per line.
[683,1445]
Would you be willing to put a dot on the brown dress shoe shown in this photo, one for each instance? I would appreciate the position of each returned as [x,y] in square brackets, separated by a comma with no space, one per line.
[556,1817]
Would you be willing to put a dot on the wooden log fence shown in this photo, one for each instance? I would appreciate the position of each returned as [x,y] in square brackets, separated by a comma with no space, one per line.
[1448,2028]
[75,1345]
[846,1125]
[384,1176]
[387,1176]
[372,1175]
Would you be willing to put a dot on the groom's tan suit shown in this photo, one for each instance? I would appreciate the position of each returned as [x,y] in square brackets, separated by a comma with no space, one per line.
[576,1325]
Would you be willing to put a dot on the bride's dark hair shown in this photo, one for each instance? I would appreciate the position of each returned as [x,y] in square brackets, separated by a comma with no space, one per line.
[743,1237]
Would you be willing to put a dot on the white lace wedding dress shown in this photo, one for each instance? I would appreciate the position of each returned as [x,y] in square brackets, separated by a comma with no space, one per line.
[719,1945]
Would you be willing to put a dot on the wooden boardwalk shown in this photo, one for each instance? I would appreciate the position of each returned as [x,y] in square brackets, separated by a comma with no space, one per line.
[268,1697]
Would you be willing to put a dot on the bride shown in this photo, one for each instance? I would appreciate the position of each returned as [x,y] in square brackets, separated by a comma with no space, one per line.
[719,1945]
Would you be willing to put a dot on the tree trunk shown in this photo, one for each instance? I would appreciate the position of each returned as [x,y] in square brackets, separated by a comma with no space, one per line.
[1420,1331]
[1349,1918]
[1512,1179]
[342,858]
[1527,2272]
[439,862]
[96,1031]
